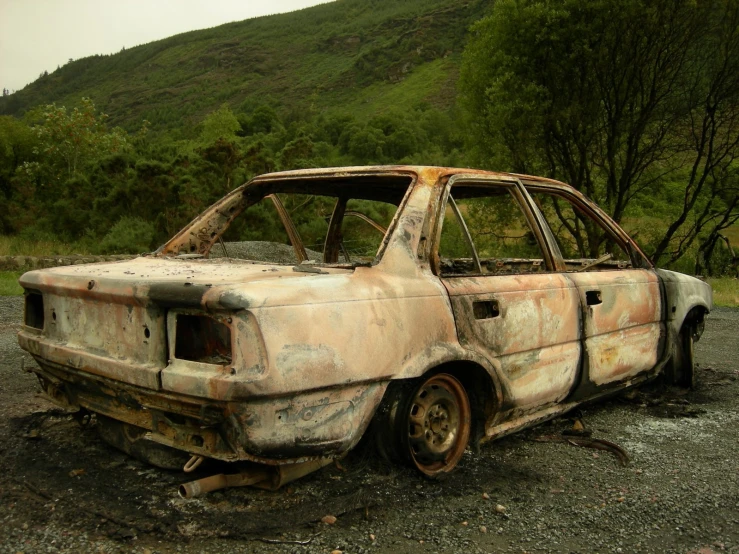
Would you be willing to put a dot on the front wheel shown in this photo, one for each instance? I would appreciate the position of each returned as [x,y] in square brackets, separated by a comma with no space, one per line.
[683,363]
[435,424]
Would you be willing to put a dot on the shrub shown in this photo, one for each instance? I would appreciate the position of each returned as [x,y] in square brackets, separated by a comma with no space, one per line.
[131,235]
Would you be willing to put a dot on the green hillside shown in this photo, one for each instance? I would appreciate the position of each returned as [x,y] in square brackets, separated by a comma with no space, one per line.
[355,56]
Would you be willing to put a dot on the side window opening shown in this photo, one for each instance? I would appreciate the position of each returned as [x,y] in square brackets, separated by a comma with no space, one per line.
[502,239]
[584,243]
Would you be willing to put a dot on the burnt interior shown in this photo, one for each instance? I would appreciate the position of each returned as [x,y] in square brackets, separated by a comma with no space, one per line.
[34,310]
[202,339]
[502,266]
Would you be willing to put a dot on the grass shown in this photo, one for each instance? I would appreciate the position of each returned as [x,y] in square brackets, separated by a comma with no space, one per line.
[9,283]
[14,246]
[725,292]
[423,83]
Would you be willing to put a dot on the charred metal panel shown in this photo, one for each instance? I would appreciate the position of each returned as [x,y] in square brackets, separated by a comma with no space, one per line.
[622,322]
[122,341]
[308,424]
[289,428]
[314,334]
[535,337]
[118,331]
[683,293]
[623,353]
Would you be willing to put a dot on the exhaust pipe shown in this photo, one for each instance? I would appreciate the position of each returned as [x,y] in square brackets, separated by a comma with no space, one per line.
[221,481]
[264,477]
[281,475]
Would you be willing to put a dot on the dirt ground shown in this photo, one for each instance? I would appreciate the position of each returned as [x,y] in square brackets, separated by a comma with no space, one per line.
[63,490]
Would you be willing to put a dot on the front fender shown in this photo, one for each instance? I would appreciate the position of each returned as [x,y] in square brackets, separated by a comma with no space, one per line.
[683,293]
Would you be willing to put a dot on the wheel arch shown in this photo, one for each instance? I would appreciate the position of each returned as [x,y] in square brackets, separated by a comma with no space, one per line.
[686,299]
[680,369]
[461,363]
[478,377]
[695,315]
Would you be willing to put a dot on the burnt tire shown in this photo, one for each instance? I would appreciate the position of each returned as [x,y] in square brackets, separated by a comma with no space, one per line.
[425,423]
[682,365]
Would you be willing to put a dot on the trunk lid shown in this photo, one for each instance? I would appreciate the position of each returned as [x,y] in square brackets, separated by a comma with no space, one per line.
[109,319]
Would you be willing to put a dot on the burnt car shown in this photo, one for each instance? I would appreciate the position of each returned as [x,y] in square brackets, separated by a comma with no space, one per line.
[436,306]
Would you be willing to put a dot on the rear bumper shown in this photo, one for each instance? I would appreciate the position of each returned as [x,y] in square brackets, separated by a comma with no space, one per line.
[274,431]
[146,376]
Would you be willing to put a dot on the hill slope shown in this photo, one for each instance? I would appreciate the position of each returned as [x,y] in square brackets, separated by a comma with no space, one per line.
[359,56]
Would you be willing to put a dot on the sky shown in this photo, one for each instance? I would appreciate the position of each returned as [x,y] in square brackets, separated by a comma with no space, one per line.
[39,35]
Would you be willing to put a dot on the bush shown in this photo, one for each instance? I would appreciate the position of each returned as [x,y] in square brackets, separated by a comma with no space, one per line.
[131,235]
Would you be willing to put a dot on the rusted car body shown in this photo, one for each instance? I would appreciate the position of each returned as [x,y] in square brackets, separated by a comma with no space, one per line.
[280,364]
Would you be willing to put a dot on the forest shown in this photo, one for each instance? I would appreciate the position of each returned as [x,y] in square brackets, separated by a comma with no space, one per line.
[634,103]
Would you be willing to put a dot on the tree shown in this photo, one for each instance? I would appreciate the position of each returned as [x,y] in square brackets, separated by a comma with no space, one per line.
[620,98]
[262,119]
[16,147]
[69,139]
[220,124]
[51,189]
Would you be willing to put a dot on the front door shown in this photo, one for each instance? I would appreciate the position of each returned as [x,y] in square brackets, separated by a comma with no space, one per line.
[622,315]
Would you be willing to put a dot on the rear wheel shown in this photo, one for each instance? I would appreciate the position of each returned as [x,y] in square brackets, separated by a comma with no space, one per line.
[435,424]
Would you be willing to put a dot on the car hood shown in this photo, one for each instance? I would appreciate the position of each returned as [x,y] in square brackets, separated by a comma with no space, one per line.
[165,281]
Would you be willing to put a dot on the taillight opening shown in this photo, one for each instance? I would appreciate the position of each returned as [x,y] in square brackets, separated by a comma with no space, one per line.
[34,310]
[202,339]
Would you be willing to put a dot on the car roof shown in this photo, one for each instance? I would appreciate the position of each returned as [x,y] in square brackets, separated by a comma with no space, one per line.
[430,171]
[434,173]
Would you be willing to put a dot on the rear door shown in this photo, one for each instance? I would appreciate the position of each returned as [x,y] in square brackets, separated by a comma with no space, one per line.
[509,304]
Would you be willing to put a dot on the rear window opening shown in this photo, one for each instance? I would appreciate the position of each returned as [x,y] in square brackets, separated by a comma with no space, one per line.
[34,310]
[340,219]
[202,339]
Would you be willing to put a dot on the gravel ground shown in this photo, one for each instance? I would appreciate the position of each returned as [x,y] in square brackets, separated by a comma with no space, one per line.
[63,490]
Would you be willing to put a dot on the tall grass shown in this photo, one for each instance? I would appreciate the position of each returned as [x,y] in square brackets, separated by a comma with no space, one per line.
[725,292]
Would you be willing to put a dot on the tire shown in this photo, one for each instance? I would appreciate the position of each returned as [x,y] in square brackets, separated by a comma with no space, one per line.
[433,424]
[682,368]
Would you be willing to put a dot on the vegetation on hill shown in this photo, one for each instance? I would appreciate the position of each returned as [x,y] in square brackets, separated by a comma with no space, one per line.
[357,57]
[66,176]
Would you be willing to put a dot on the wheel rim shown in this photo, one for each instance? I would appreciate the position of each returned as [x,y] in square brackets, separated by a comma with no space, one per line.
[438,424]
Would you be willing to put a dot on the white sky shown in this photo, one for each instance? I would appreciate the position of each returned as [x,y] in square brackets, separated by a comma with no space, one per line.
[38,35]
